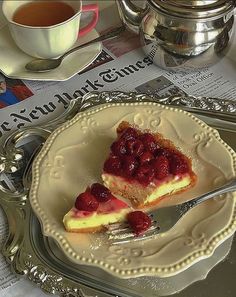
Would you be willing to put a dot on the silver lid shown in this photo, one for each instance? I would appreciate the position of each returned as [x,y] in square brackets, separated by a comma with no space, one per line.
[194,8]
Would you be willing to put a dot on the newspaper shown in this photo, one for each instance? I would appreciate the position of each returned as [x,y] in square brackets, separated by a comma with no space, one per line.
[121,65]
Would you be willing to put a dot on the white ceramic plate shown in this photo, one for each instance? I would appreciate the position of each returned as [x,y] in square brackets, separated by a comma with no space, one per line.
[72,158]
[13,60]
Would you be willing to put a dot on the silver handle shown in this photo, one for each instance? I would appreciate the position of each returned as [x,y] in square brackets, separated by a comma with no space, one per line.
[229,187]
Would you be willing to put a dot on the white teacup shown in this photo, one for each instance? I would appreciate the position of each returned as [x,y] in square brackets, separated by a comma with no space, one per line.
[50,41]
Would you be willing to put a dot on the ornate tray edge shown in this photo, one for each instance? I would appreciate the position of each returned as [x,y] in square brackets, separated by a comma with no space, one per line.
[17,250]
[159,271]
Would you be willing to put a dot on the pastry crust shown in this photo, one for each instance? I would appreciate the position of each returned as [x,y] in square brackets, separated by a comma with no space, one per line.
[135,192]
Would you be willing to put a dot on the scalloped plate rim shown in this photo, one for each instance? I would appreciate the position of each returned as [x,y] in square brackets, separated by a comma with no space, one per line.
[142,271]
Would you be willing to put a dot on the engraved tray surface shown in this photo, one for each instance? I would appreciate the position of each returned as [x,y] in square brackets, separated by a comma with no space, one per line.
[24,252]
[72,158]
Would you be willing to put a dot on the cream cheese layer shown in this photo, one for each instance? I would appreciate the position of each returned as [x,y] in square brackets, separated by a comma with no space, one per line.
[73,222]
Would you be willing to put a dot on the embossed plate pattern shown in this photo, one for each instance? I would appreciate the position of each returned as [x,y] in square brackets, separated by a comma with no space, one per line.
[72,158]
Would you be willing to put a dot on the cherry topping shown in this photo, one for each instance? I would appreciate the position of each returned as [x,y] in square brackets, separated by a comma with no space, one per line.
[138,221]
[145,174]
[100,192]
[129,165]
[146,158]
[134,147]
[118,148]
[129,133]
[163,152]
[149,142]
[112,165]
[178,165]
[138,155]
[161,167]
[87,202]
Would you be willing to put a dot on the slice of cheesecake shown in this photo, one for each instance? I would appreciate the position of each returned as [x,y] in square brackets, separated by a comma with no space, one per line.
[143,167]
[94,210]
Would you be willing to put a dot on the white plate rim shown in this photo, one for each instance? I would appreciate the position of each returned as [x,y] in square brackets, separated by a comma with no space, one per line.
[126,273]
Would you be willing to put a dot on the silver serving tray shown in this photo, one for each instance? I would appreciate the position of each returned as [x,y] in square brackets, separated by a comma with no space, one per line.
[41,261]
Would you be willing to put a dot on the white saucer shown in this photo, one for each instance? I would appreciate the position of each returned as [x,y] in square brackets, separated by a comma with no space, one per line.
[13,60]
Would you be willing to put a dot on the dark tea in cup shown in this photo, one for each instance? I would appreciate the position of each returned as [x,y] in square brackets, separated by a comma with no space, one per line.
[47,29]
[43,13]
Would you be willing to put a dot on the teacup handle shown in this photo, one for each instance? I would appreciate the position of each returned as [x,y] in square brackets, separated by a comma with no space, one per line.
[86,8]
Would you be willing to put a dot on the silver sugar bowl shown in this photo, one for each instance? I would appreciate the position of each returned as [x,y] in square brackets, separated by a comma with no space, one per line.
[181,34]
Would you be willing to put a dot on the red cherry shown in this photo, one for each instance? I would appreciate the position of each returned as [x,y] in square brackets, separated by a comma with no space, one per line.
[146,158]
[129,133]
[145,174]
[149,142]
[134,147]
[118,148]
[163,152]
[138,221]
[161,167]
[129,165]
[100,192]
[87,202]
[112,165]
[178,165]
